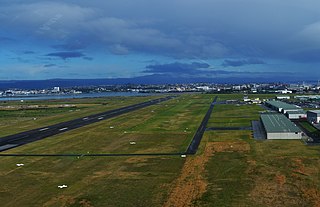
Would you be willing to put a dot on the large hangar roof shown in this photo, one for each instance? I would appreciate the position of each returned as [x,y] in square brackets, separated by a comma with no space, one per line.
[283,105]
[277,123]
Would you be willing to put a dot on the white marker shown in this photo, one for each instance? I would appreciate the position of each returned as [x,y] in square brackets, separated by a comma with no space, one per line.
[44,129]
[63,129]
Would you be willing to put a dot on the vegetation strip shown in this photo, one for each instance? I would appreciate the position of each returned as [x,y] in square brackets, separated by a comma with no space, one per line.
[91,155]
[193,147]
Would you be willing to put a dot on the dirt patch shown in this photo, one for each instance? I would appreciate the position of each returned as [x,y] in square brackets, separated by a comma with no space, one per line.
[62,201]
[65,201]
[313,195]
[85,203]
[100,174]
[274,192]
[281,180]
[136,160]
[236,146]
[191,184]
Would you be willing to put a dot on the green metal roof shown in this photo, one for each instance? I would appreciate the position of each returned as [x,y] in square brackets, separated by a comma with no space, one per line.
[282,105]
[278,123]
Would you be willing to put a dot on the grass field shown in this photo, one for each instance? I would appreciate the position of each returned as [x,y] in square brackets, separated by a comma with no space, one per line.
[230,168]
[234,116]
[17,119]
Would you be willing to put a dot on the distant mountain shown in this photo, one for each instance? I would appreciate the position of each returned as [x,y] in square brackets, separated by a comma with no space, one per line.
[149,79]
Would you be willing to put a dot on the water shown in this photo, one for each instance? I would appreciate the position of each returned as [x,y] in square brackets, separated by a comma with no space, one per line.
[70,96]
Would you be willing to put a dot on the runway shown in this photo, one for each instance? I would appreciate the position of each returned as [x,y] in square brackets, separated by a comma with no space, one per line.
[193,147]
[26,137]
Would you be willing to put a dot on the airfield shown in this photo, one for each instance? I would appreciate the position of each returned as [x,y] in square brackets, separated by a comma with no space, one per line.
[224,164]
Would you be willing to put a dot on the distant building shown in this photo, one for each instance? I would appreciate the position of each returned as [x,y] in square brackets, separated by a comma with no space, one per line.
[313,116]
[277,126]
[56,89]
[246,99]
[285,91]
[292,115]
[283,97]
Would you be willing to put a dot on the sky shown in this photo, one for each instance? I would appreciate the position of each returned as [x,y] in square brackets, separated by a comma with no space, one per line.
[81,39]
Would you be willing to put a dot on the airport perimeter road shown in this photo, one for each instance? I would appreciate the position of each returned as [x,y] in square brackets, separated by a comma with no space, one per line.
[193,147]
[26,137]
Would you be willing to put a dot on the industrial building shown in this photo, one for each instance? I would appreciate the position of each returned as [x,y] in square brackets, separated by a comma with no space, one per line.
[313,116]
[277,126]
[282,107]
[293,115]
[283,97]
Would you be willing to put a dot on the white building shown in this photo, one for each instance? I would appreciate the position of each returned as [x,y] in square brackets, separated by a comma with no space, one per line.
[56,89]
[283,97]
[296,115]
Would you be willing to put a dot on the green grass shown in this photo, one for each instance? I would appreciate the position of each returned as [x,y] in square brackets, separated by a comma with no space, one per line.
[271,173]
[233,115]
[100,181]
[162,128]
[234,177]
[14,121]
[314,131]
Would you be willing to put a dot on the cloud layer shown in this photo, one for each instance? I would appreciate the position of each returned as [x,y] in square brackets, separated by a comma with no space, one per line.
[227,34]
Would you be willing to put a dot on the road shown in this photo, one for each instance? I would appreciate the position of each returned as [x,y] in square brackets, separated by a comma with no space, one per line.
[193,147]
[26,137]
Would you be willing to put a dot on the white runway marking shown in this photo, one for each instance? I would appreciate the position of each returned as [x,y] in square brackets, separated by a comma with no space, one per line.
[44,129]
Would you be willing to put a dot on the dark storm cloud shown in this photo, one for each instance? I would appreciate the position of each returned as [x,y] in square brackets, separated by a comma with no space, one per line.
[307,56]
[66,55]
[158,27]
[237,63]
[69,46]
[177,67]
[88,58]
[6,39]
[49,65]
[191,30]
[28,52]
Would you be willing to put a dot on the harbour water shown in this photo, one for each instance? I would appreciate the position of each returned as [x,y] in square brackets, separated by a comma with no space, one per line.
[70,96]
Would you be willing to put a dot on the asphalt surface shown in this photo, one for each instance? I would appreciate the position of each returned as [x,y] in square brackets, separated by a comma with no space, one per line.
[258,131]
[26,137]
[193,147]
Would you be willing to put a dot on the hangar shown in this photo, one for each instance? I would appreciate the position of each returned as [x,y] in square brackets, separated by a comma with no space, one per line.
[277,126]
[296,114]
[313,116]
[282,107]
